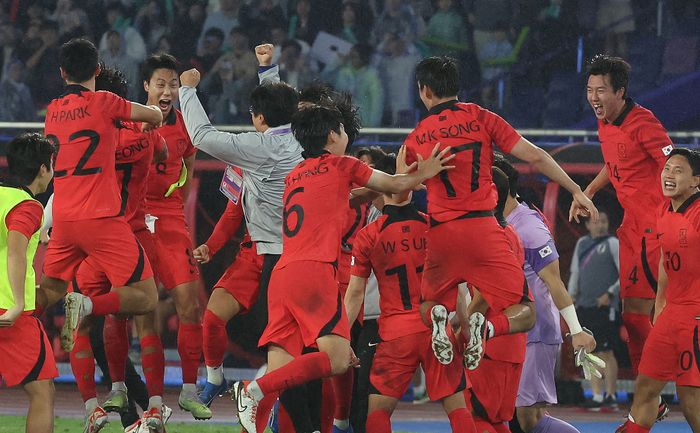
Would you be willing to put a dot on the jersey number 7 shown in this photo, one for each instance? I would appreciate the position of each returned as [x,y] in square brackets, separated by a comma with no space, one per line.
[475,147]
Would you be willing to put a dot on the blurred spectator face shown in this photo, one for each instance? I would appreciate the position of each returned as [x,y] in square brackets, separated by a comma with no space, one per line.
[49,36]
[228,5]
[212,45]
[500,35]
[395,46]
[164,45]
[239,41]
[303,7]
[113,15]
[16,71]
[162,89]
[598,228]
[445,5]
[196,13]
[393,5]
[349,15]
[278,36]
[289,55]
[114,42]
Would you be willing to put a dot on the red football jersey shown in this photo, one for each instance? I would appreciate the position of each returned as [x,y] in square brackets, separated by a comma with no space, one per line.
[472,132]
[635,147]
[134,156]
[166,173]
[394,247]
[82,124]
[511,347]
[315,202]
[679,232]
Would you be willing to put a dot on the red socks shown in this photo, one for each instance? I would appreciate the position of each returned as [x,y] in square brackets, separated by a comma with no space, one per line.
[303,369]
[189,346]
[379,421]
[82,362]
[116,338]
[215,339]
[342,387]
[106,304]
[638,328]
[153,361]
[500,324]
[461,421]
[263,412]
[327,405]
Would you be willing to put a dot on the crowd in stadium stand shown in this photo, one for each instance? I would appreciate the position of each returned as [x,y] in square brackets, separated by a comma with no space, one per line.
[378,42]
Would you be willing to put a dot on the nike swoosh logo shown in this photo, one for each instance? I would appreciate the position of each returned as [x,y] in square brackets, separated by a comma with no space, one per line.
[372,344]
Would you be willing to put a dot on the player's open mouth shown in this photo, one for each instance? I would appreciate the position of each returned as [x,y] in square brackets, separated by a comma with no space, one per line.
[598,108]
[669,185]
[164,104]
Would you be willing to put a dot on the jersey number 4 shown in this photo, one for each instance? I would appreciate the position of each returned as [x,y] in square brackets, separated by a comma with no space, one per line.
[475,147]
[80,169]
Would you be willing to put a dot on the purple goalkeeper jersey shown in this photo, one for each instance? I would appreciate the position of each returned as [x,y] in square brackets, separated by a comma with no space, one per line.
[539,252]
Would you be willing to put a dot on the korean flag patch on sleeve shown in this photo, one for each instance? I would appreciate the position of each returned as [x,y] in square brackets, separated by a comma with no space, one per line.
[545,251]
[667,150]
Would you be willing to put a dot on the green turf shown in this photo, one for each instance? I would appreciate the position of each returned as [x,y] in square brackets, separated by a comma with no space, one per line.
[15,424]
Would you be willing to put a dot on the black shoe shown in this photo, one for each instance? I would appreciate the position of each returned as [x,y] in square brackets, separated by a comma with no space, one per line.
[610,403]
[663,410]
[591,404]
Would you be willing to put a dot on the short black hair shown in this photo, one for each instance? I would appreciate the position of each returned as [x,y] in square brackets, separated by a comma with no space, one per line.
[277,102]
[216,32]
[692,156]
[323,94]
[375,153]
[311,126]
[78,59]
[500,179]
[316,93]
[112,80]
[507,168]
[387,163]
[158,61]
[440,74]
[616,67]
[26,153]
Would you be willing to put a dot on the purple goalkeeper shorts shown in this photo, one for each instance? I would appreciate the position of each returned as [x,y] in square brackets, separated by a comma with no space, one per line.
[537,380]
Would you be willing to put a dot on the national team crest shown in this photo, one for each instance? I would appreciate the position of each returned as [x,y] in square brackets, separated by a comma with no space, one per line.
[622,150]
[683,237]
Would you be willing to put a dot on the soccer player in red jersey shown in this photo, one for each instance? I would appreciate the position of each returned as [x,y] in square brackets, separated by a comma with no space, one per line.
[394,248]
[136,150]
[235,292]
[87,214]
[461,201]
[495,381]
[168,187]
[25,352]
[307,311]
[672,351]
[634,146]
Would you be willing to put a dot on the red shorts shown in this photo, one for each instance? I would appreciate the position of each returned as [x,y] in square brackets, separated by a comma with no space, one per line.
[494,389]
[396,361]
[671,350]
[242,278]
[25,352]
[304,304]
[174,264]
[639,264]
[91,281]
[108,242]
[475,250]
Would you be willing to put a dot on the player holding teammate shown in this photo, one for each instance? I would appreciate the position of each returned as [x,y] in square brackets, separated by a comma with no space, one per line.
[168,188]
[461,201]
[671,352]
[25,352]
[634,146]
[136,150]
[307,312]
[537,386]
[394,248]
[87,208]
